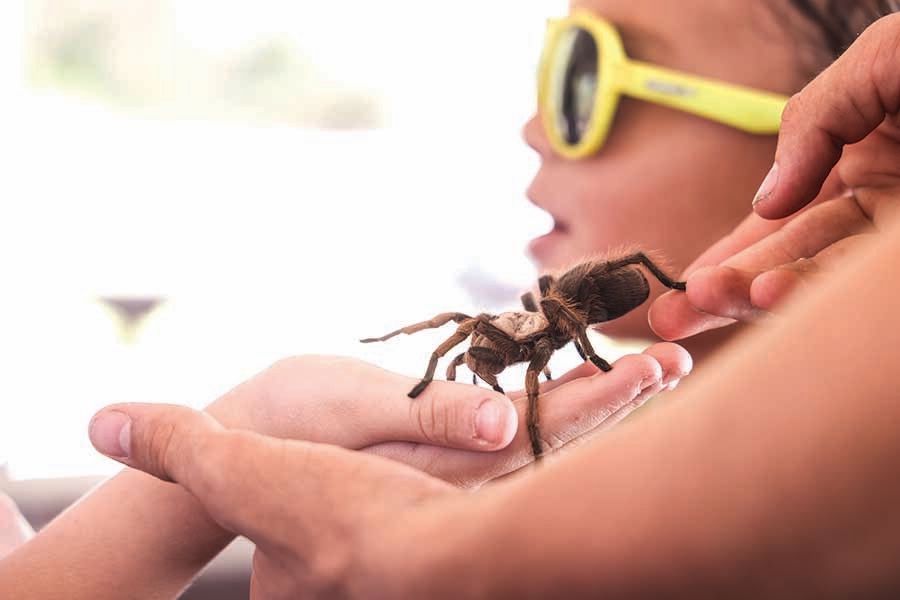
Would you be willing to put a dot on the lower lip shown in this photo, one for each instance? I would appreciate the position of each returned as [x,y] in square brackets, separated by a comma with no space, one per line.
[542,248]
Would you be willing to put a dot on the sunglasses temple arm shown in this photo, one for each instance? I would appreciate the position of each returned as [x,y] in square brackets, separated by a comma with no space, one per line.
[744,108]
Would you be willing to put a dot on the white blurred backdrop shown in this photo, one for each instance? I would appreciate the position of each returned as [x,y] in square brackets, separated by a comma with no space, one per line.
[273,178]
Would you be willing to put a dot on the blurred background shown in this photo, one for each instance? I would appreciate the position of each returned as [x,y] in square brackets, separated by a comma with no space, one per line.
[198,188]
[195,189]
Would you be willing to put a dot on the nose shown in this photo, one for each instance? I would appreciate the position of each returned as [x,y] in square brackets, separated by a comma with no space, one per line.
[534,135]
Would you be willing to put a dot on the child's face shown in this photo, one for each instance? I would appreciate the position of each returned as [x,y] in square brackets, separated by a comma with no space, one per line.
[665,180]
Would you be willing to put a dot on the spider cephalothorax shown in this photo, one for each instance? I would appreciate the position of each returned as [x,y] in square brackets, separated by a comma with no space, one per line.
[590,293]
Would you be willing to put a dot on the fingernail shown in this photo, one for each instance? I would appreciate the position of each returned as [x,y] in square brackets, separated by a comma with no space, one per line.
[649,381]
[672,379]
[768,185]
[110,433]
[489,425]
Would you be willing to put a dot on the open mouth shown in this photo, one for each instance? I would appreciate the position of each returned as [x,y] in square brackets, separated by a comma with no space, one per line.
[542,248]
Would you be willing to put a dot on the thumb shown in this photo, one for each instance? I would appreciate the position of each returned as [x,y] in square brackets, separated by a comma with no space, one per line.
[188,447]
[162,440]
[843,105]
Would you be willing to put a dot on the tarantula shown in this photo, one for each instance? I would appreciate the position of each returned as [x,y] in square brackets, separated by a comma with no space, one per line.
[590,293]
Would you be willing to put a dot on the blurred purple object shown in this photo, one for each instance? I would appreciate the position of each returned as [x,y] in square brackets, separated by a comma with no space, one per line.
[131,311]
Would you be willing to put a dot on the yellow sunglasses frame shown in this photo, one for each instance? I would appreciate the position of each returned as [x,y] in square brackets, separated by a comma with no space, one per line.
[741,107]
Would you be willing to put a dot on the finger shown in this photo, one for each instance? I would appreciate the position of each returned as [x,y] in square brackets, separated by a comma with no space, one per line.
[806,235]
[717,297]
[675,361]
[188,447]
[672,316]
[676,364]
[275,492]
[772,288]
[724,292]
[454,415]
[841,106]
[611,421]
[569,410]
[583,404]
[369,405]
[585,369]
[751,230]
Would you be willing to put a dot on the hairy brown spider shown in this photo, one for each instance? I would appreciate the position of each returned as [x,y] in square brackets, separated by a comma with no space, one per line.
[591,292]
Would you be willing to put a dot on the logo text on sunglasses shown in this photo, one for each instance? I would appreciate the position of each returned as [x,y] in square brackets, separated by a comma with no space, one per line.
[668,88]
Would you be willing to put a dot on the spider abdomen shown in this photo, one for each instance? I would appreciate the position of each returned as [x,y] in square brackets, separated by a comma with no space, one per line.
[618,292]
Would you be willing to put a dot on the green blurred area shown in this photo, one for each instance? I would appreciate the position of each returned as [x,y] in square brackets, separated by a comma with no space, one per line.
[131,54]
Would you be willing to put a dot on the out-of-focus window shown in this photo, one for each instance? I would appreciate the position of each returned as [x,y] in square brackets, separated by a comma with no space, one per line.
[199,188]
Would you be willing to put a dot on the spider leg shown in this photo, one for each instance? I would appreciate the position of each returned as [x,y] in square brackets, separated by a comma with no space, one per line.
[438,321]
[528,302]
[580,350]
[544,284]
[591,354]
[582,343]
[505,345]
[553,309]
[451,368]
[474,379]
[462,332]
[639,258]
[491,380]
[488,362]
[543,350]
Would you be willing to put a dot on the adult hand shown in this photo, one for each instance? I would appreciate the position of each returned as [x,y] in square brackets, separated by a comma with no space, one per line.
[749,273]
[464,434]
[317,514]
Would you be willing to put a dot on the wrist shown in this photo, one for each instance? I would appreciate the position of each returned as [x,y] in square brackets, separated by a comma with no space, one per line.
[438,551]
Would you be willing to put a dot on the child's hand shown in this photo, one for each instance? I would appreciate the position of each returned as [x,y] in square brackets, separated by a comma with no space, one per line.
[459,432]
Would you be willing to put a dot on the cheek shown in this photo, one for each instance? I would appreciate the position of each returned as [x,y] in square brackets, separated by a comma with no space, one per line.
[677,193]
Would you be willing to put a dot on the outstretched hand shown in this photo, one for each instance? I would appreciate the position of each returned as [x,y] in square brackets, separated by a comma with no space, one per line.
[464,434]
[840,145]
[573,408]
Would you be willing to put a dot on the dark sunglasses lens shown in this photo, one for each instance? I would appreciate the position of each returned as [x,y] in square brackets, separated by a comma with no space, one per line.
[573,82]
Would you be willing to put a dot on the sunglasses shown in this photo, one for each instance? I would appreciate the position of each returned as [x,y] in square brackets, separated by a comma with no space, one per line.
[584,71]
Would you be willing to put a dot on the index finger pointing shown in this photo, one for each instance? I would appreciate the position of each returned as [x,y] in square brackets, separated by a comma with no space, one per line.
[841,106]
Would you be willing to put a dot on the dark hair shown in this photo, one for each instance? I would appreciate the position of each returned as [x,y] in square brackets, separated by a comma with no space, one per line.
[841,21]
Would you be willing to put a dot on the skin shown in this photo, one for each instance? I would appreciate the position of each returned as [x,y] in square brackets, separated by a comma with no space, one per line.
[704,173]
[174,538]
[136,537]
[363,513]
[783,509]
[797,501]
[14,529]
